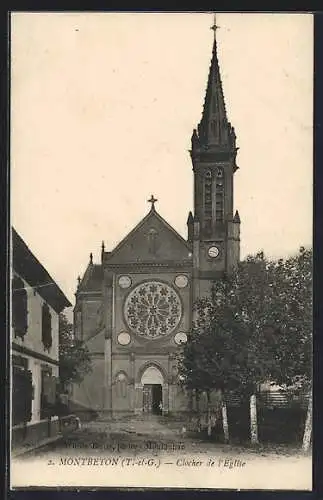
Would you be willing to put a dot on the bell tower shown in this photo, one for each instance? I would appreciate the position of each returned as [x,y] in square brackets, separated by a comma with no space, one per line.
[213,229]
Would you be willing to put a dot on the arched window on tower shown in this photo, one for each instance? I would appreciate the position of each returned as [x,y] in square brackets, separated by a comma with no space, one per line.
[219,196]
[208,195]
[208,200]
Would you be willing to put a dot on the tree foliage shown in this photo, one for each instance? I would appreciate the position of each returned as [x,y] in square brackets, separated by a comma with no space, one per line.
[74,356]
[256,327]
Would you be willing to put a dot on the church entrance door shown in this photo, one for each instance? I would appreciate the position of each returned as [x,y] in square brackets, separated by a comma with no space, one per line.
[152,382]
[152,399]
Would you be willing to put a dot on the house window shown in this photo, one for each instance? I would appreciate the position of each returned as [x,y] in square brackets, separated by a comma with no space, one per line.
[46,327]
[20,362]
[22,390]
[19,308]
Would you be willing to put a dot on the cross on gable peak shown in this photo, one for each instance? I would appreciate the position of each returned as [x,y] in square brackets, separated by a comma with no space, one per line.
[152,200]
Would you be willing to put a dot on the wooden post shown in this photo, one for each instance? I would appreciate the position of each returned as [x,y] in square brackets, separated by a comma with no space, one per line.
[253,419]
[308,425]
[225,422]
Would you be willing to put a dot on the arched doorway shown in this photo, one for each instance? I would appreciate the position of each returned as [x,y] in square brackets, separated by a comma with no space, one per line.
[152,381]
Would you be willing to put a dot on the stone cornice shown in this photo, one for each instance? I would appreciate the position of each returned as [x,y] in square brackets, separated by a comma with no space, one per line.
[97,293]
[34,354]
[188,264]
[140,352]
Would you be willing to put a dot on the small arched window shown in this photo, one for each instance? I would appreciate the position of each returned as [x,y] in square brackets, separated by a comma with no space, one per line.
[19,308]
[219,196]
[152,240]
[208,195]
[121,385]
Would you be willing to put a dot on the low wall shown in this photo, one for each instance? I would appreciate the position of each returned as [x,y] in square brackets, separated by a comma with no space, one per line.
[33,433]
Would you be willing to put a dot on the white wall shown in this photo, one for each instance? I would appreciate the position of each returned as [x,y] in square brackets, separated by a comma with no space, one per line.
[33,338]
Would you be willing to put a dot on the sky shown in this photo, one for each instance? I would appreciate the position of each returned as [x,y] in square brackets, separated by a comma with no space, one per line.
[102,110]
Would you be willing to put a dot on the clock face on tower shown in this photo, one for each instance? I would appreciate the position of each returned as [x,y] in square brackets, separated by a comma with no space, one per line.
[213,251]
[152,309]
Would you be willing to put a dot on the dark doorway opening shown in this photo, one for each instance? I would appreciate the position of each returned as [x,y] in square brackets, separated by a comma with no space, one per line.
[153,397]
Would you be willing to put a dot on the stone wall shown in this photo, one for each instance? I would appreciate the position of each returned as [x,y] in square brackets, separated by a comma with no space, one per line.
[33,433]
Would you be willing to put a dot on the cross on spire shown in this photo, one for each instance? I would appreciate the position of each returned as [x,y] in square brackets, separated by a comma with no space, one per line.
[215,26]
[152,200]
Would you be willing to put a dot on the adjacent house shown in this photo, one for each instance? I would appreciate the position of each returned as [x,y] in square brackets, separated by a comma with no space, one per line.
[36,304]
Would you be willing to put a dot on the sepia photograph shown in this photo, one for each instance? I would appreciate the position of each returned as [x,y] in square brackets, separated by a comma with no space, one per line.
[161,172]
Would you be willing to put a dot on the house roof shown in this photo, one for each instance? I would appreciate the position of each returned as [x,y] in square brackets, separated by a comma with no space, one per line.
[28,267]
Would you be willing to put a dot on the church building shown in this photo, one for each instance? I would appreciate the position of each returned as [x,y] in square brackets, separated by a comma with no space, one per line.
[134,309]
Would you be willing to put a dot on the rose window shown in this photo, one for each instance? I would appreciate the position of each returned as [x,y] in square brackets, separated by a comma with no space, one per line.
[153,309]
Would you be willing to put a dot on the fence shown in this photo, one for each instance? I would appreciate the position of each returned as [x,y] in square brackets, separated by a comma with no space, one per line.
[281,418]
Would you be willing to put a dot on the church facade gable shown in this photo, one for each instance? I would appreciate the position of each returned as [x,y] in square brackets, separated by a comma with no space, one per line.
[153,239]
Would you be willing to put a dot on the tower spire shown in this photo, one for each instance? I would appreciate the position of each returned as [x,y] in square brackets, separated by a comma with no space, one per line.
[214,130]
[213,154]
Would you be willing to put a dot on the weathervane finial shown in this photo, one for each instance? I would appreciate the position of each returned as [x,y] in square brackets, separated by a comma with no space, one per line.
[152,200]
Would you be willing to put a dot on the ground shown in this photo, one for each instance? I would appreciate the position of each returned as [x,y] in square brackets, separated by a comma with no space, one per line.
[121,452]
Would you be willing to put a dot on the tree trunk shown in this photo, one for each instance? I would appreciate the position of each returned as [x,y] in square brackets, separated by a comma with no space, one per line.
[308,426]
[253,419]
[209,423]
[225,422]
